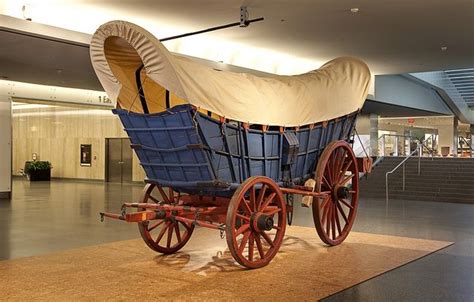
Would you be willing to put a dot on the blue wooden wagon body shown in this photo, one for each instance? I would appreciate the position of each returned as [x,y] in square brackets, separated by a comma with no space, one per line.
[191,152]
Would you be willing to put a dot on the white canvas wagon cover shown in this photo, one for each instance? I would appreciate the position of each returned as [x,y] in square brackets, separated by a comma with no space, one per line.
[119,48]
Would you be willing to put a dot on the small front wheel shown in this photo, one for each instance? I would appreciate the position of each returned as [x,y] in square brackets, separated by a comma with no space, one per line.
[256,222]
[165,235]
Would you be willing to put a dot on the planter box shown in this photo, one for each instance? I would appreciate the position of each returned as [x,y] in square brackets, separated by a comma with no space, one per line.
[40,175]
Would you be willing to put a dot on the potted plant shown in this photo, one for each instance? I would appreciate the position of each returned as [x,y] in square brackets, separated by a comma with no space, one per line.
[39,171]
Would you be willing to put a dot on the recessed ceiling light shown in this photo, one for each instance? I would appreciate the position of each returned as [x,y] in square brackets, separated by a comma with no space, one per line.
[354,10]
[444,48]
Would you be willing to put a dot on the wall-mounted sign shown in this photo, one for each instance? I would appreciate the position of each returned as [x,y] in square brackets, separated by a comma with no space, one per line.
[411,121]
[86,155]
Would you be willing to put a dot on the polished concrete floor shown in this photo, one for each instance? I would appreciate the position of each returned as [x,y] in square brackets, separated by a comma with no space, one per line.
[47,217]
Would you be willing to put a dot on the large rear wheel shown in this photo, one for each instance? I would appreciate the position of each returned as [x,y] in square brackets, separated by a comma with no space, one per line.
[338,175]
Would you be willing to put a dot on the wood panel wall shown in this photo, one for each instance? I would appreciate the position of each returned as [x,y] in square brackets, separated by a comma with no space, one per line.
[56,133]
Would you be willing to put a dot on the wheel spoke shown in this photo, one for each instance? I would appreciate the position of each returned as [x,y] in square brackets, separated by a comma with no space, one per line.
[325,202]
[246,206]
[267,201]
[338,224]
[243,217]
[259,246]
[244,241]
[325,211]
[342,212]
[342,160]
[154,199]
[242,229]
[345,168]
[331,166]
[343,182]
[162,232]
[328,221]
[267,239]
[338,158]
[328,172]
[178,234]
[163,194]
[333,221]
[326,182]
[346,202]
[272,211]
[170,236]
[155,226]
[251,244]
[253,199]
[261,195]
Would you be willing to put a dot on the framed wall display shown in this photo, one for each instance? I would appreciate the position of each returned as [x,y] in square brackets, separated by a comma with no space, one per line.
[86,155]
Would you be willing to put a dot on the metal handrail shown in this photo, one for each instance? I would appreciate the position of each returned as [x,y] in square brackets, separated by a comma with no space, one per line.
[417,150]
[382,138]
[462,138]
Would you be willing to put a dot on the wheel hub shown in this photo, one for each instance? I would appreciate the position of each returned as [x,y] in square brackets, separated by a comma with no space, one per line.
[342,192]
[262,222]
[160,214]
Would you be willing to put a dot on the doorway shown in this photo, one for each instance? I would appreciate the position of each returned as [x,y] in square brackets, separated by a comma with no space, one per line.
[118,166]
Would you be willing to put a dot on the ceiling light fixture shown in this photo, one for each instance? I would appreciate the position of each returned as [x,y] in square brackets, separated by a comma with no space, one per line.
[444,48]
[354,10]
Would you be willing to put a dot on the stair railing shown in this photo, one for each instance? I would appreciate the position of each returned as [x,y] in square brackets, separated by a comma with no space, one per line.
[418,150]
[463,140]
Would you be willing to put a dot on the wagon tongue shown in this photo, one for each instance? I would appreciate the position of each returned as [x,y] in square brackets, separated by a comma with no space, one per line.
[131,217]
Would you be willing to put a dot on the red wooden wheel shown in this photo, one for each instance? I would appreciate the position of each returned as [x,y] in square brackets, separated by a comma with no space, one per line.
[256,222]
[165,235]
[337,173]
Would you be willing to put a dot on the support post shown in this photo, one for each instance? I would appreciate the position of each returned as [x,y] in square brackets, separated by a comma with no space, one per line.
[5,143]
[374,134]
[420,152]
[403,178]
[383,145]
[395,152]
[455,137]
[472,139]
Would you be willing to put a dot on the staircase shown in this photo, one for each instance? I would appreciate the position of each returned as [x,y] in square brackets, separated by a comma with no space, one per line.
[441,179]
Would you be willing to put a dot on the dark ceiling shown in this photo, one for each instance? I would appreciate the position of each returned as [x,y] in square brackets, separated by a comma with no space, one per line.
[33,59]
[390,110]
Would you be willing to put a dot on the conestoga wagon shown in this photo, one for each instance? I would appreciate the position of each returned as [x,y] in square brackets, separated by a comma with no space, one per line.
[227,150]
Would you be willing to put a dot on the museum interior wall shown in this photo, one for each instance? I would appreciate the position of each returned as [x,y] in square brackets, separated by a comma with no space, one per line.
[440,126]
[55,134]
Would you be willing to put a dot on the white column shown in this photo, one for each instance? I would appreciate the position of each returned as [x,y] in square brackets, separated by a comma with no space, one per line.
[374,134]
[5,144]
[472,140]
[455,137]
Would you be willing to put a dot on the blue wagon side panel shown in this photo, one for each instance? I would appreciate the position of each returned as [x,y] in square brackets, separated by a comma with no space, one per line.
[168,146]
[187,150]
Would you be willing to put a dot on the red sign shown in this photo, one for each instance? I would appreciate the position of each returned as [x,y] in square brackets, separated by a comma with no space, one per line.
[411,121]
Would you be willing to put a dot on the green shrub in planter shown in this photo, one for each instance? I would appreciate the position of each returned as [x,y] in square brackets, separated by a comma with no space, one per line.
[39,170]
